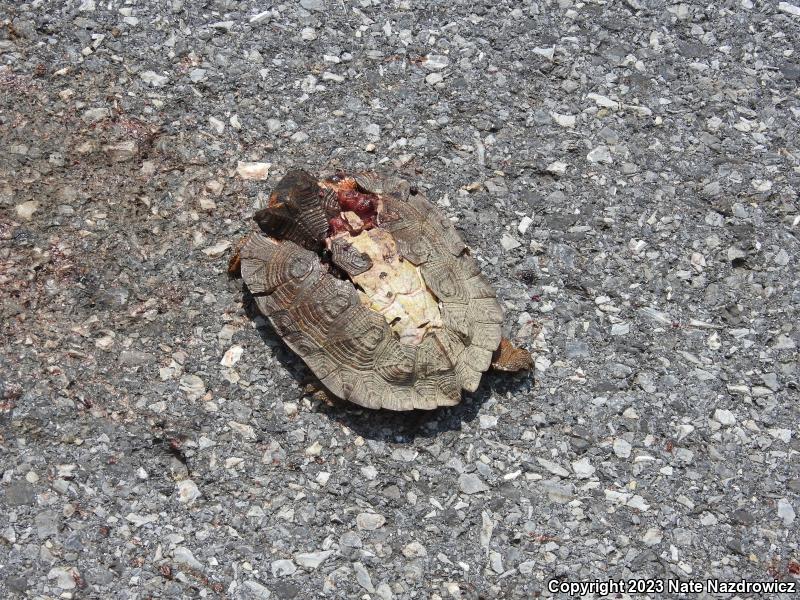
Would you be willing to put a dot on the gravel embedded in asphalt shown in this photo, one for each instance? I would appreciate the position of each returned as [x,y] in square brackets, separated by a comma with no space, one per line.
[627,176]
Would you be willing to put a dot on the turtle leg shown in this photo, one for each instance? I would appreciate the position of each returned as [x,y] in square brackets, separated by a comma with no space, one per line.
[511,359]
[316,391]
[235,263]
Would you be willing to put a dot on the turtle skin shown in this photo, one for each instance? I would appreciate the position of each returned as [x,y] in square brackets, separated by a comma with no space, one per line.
[382,302]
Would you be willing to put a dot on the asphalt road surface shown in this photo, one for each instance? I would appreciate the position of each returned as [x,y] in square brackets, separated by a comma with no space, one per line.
[627,175]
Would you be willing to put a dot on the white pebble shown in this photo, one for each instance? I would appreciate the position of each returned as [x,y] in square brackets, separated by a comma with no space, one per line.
[312,560]
[217,249]
[786,511]
[314,449]
[182,555]
[582,468]
[724,417]
[188,491]
[299,137]
[652,537]
[154,79]
[603,101]
[789,9]
[64,577]
[414,550]
[283,567]
[488,421]
[232,356]
[435,62]
[638,503]
[253,170]
[370,521]
[622,447]
[193,386]
[600,154]
[434,78]
[553,467]
[369,472]
[509,243]
[636,246]
[564,120]
[620,329]
[25,210]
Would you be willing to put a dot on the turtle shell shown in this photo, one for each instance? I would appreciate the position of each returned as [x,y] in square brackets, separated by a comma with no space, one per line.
[374,289]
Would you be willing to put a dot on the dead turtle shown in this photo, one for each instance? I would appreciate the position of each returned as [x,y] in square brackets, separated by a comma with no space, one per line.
[371,285]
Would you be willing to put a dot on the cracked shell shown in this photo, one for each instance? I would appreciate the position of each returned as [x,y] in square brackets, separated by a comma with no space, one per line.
[372,286]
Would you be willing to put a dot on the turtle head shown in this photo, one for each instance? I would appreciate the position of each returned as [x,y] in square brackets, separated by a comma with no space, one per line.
[294,211]
[295,189]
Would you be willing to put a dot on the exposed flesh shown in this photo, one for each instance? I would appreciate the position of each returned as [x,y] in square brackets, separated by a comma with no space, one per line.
[393,287]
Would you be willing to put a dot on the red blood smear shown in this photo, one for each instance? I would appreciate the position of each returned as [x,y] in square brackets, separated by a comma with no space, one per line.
[369,222]
[355,201]
[351,200]
[337,225]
